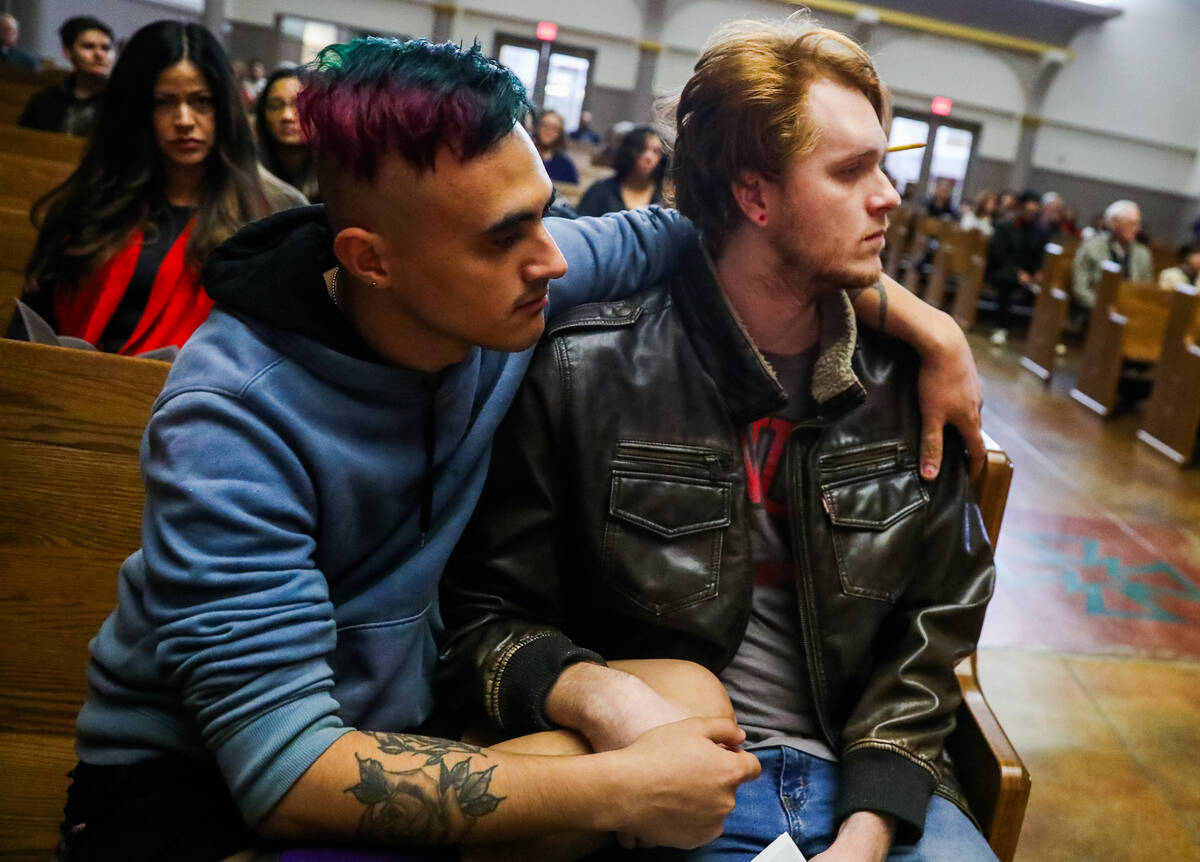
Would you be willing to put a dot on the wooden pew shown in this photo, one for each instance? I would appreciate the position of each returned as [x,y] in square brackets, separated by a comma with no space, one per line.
[30,177]
[896,239]
[1051,307]
[11,286]
[925,230]
[71,423]
[13,98]
[942,266]
[958,268]
[44,145]
[1128,324]
[1173,413]
[995,781]
[17,236]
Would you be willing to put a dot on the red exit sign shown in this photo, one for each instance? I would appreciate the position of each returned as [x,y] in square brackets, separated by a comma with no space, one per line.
[547,31]
[941,106]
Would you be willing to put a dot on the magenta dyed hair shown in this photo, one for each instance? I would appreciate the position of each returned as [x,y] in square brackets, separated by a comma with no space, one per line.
[373,97]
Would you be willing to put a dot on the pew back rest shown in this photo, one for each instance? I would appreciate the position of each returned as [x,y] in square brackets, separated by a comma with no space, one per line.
[45,145]
[1145,307]
[70,428]
[28,178]
[17,236]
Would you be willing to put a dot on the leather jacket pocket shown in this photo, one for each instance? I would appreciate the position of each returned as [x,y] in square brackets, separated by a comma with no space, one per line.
[662,538]
[876,526]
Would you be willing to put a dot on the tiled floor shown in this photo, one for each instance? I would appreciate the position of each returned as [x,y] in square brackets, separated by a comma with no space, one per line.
[1090,655]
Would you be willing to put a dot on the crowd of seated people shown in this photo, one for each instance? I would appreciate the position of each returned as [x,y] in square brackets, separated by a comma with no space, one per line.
[168,172]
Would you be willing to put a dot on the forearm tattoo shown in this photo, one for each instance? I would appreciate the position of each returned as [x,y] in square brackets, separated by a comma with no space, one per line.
[882,291]
[429,804]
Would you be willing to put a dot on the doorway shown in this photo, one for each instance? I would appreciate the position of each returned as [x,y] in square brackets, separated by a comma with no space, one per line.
[948,154]
[555,76]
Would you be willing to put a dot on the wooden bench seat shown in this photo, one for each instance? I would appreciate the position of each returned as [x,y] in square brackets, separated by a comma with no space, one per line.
[1173,412]
[1051,308]
[1128,325]
[70,428]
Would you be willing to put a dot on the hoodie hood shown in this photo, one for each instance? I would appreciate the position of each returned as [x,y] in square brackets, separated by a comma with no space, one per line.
[271,271]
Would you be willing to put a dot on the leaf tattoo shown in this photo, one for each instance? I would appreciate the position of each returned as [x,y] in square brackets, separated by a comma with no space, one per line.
[414,806]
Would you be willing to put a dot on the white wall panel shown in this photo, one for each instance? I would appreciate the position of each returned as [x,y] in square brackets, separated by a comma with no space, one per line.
[386,16]
[1084,153]
[1136,74]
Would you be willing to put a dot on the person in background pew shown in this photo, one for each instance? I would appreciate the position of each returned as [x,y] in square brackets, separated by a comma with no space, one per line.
[1014,259]
[941,203]
[1187,271]
[585,133]
[979,217]
[1117,243]
[167,174]
[10,54]
[551,143]
[312,460]
[71,106]
[1051,218]
[282,147]
[639,166]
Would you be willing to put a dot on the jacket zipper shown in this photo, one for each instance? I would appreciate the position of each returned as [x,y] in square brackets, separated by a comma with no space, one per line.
[797,456]
[868,458]
[672,457]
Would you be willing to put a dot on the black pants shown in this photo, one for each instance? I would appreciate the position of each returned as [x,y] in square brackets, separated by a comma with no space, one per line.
[170,808]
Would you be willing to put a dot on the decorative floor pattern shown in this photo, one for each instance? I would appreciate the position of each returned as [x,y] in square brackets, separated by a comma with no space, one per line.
[1094,586]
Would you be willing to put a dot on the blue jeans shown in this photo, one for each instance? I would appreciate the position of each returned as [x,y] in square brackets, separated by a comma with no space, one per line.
[796,793]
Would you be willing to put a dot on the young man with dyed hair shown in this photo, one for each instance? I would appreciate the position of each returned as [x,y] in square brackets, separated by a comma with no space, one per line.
[312,460]
[723,470]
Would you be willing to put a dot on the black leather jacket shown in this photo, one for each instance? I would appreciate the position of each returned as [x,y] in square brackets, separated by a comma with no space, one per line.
[615,520]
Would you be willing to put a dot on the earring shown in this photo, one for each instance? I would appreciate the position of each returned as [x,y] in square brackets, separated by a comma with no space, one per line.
[762,219]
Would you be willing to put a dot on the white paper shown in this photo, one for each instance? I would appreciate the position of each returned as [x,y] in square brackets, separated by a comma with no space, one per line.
[782,849]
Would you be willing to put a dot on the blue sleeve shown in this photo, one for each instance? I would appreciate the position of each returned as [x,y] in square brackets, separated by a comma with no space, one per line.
[616,255]
[243,614]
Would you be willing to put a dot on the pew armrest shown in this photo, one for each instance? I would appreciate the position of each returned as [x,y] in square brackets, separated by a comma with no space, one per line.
[994,780]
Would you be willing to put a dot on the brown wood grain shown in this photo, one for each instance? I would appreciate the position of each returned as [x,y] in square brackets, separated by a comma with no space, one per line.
[35,767]
[1173,412]
[81,398]
[70,422]
[17,236]
[30,177]
[45,145]
[993,777]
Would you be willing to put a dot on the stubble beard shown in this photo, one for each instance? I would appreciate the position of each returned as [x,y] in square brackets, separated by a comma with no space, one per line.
[814,275]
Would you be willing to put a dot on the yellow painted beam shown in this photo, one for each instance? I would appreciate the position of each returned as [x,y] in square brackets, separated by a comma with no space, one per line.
[934,26]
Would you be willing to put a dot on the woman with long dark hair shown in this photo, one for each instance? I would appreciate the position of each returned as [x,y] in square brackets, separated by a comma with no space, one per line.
[639,166]
[282,147]
[168,172]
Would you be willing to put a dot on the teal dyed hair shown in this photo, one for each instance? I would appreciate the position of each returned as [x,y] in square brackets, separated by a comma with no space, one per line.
[376,97]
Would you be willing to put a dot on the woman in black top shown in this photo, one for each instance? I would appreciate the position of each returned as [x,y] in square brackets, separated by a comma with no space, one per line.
[639,165]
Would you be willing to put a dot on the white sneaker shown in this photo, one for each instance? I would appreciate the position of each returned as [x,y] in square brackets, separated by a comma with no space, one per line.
[1000,336]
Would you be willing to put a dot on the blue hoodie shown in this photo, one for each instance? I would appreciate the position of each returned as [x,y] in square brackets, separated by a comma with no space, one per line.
[299,513]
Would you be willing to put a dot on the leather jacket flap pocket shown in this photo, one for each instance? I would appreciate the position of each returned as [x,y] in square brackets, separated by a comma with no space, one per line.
[669,507]
[875,502]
